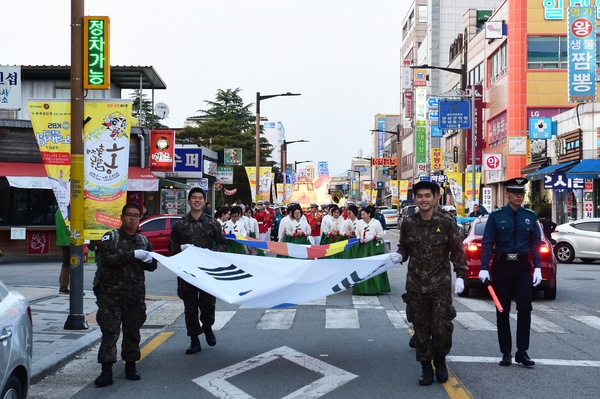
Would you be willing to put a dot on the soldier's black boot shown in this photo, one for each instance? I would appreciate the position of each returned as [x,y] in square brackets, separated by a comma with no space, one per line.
[131,372]
[194,346]
[427,374]
[441,370]
[106,376]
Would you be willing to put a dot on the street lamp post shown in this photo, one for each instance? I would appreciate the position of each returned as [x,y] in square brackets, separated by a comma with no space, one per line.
[296,163]
[284,161]
[258,99]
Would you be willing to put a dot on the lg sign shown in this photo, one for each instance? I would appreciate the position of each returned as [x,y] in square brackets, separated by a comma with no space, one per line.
[493,161]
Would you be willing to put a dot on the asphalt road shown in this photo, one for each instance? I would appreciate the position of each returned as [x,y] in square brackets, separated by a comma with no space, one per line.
[260,355]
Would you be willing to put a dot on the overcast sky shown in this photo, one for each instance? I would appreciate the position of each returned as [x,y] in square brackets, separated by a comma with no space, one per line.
[343,56]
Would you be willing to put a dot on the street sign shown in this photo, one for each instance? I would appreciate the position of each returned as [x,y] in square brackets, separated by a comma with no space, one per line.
[224,175]
[454,114]
[433,115]
[540,128]
[432,102]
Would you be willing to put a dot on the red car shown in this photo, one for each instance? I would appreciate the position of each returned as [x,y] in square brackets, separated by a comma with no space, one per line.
[157,229]
[472,246]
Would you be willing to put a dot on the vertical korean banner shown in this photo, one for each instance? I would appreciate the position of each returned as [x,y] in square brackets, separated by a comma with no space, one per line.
[403,186]
[162,150]
[581,50]
[106,152]
[437,159]
[279,187]
[51,120]
[421,130]
[394,189]
[469,187]
[264,182]
[455,182]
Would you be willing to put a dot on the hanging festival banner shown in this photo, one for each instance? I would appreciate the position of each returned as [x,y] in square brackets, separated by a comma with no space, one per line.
[264,181]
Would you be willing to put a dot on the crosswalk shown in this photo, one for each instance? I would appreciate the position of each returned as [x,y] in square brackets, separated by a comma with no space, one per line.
[472,314]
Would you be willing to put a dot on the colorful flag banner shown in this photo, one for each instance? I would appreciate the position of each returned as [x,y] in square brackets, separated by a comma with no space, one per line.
[295,250]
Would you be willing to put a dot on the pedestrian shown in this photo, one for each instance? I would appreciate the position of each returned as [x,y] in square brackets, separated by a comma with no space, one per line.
[120,289]
[379,216]
[277,217]
[512,235]
[197,229]
[236,227]
[208,209]
[63,240]
[431,240]
[222,216]
[370,233]
[314,219]
[548,224]
[476,212]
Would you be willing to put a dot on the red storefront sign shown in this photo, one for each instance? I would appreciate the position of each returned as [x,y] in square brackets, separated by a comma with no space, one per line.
[162,150]
[38,242]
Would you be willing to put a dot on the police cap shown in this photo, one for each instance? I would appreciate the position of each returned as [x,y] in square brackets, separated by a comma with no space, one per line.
[314,205]
[426,185]
[261,202]
[516,185]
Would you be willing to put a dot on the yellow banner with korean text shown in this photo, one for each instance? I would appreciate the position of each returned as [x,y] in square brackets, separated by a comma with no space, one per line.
[51,121]
[394,189]
[403,188]
[106,156]
[264,181]
[454,196]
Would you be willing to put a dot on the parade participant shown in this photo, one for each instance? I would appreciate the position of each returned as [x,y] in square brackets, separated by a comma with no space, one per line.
[326,217]
[286,219]
[331,226]
[344,211]
[252,223]
[222,215]
[120,289]
[263,217]
[198,229]
[277,217]
[431,240]
[314,219]
[271,220]
[297,230]
[236,227]
[370,233]
[512,235]
[348,230]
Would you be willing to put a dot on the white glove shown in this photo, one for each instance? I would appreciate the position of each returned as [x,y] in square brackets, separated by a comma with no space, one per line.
[141,254]
[148,258]
[459,286]
[186,246]
[484,275]
[396,257]
[537,276]
[368,238]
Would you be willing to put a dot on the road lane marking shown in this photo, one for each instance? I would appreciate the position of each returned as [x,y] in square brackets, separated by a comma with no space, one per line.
[156,341]
[454,388]
[333,377]
[545,362]
[476,305]
[222,318]
[397,318]
[366,302]
[543,326]
[277,319]
[590,321]
[341,318]
[474,321]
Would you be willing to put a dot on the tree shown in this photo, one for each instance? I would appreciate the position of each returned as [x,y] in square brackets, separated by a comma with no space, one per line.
[146,117]
[228,123]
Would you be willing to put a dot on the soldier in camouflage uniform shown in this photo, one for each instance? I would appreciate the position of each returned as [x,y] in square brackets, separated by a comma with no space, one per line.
[119,285]
[196,228]
[431,240]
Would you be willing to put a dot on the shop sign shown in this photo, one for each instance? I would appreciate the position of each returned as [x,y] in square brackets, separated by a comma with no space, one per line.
[559,181]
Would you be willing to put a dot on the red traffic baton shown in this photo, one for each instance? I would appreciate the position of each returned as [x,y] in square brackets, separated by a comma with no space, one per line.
[494,297]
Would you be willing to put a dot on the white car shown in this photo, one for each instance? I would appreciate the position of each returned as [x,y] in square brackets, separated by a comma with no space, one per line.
[391,217]
[577,239]
[16,338]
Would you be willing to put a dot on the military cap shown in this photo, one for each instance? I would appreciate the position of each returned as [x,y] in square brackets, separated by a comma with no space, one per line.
[261,202]
[314,205]
[516,185]
[426,185]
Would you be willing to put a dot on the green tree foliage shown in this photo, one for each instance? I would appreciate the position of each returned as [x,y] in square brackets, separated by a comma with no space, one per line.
[228,123]
[146,117]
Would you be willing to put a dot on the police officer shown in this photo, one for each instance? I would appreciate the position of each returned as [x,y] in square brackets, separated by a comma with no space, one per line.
[119,285]
[431,240]
[201,230]
[512,235]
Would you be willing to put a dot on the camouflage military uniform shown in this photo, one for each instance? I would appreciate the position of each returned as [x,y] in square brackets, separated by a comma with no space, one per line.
[119,285]
[429,243]
[204,232]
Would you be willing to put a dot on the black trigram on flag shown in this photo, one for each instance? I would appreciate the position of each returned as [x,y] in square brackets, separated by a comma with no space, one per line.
[231,272]
[354,279]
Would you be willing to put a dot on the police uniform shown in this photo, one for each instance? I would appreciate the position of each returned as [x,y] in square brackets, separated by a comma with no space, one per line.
[513,237]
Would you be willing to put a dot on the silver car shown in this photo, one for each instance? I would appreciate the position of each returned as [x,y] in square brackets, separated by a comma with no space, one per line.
[391,217]
[577,239]
[16,338]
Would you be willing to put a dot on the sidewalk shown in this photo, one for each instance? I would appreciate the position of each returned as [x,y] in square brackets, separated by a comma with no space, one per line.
[53,346]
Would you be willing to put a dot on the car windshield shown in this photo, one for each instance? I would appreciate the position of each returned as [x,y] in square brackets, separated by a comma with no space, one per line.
[388,212]
[479,229]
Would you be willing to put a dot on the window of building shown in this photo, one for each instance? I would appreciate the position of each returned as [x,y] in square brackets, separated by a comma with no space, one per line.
[26,206]
[497,64]
[547,52]
[422,13]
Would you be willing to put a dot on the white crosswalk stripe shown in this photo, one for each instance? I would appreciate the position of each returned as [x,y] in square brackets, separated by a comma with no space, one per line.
[341,318]
[280,319]
[397,318]
[542,325]
[474,321]
[590,321]
[476,305]
[222,318]
[366,302]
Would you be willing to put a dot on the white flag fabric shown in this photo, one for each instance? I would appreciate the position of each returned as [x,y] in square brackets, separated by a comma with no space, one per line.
[268,282]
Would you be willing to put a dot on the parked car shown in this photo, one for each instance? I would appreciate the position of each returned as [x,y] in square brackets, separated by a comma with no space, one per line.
[391,217]
[157,229]
[472,245]
[577,239]
[16,339]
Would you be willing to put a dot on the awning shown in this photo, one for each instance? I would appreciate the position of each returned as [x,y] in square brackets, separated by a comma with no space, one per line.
[166,183]
[25,175]
[532,167]
[141,179]
[548,170]
[586,169]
